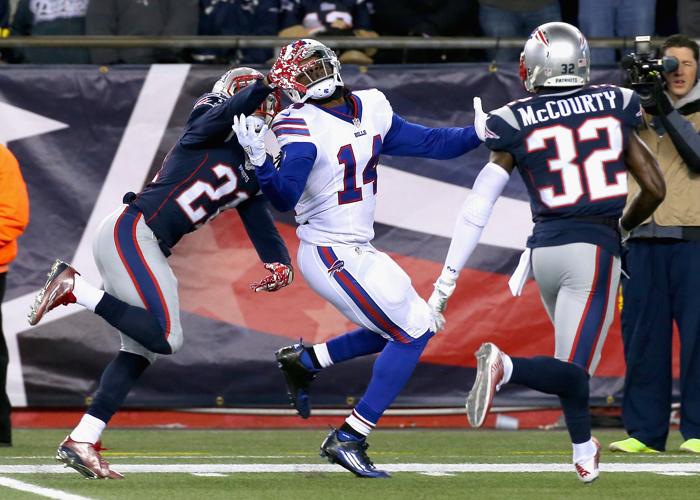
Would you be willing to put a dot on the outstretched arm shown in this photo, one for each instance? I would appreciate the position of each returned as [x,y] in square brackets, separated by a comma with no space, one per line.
[410,139]
[471,221]
[210,121]
[645,169]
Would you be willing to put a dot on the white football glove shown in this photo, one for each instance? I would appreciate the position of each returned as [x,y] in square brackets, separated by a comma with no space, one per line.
[253,143]
[479,119]
[443,289]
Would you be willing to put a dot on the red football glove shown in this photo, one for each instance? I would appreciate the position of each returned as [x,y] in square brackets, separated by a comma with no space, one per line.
[282,275]
[286,69]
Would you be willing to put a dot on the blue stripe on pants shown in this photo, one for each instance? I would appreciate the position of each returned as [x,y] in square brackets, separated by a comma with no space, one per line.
[137,267]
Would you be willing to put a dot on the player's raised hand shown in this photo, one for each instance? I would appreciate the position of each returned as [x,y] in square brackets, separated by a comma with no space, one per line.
[252,142]
[287,67]
[282,275]
[479,119]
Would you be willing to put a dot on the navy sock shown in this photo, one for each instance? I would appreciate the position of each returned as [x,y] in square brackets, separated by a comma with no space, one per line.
[566,380]
[391,371]
[136,322]
[347,433]
[117,380]
[309,359]
[354,344]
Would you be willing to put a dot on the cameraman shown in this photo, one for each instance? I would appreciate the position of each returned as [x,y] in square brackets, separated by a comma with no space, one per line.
[663,264]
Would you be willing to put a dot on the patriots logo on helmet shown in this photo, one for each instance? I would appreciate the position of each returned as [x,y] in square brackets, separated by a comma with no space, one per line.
[540,35]
[338,265]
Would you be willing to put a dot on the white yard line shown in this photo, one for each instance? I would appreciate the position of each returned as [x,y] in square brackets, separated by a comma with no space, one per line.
[407,467]
[39,490]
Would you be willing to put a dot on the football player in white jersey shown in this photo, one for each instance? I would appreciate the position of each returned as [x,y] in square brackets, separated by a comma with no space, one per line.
[331,139]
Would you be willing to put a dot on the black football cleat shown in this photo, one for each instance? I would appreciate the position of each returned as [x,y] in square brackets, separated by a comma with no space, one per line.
[297,377]
[351,455]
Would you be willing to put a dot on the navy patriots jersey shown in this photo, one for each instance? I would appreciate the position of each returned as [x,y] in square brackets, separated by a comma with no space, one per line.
[204,173]
[569,148]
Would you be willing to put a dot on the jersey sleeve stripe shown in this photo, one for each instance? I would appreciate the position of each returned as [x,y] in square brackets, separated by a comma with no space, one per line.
[289,121]
[291,131]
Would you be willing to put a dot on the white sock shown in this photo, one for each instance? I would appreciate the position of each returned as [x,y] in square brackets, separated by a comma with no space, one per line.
[88,430]
[322,354]
[85,294]
[360,424]
[507,369]
[584,451]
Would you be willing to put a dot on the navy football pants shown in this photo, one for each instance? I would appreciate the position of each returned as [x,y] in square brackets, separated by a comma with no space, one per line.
[664,286]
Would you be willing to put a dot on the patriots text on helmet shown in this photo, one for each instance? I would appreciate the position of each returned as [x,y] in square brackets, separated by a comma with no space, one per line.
[576,105]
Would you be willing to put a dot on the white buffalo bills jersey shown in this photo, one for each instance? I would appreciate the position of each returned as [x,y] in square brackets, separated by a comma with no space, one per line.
[338,203]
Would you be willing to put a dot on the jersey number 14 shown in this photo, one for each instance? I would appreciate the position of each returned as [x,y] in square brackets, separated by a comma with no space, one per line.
[351,193]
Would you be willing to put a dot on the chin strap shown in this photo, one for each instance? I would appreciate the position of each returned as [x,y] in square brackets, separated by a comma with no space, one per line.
[337,93]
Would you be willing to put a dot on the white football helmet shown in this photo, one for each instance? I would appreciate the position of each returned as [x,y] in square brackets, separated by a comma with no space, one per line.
[555,55]
[237,79]
[320,72]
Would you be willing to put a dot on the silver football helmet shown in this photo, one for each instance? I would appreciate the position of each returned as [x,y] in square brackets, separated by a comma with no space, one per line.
[555,55]
[236,79]
[320,72]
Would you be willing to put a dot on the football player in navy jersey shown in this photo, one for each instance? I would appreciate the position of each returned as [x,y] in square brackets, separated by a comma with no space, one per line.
[331,140]
[573,145]
[204,173]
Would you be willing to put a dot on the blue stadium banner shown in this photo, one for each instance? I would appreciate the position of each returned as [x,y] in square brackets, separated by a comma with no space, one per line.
[86,135]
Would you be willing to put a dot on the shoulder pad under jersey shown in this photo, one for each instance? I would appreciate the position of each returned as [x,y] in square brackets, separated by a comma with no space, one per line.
[502,129]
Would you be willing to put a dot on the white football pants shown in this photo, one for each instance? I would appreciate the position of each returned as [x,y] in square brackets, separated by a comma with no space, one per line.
[368,287]
[135,270]
[578,285]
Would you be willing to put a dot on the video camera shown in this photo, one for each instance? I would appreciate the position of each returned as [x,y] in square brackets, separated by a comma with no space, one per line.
[643,72]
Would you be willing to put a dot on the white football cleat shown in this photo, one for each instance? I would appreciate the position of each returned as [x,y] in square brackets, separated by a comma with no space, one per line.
[588,469]
[57,291]
[489,375]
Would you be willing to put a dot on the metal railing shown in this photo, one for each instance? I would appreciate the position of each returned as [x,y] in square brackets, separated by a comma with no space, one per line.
[235,42]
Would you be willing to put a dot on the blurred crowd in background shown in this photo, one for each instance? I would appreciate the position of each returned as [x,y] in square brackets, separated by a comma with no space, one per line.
[319,18]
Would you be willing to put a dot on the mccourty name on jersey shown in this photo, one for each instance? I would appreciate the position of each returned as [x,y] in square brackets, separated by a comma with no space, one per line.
[577,105]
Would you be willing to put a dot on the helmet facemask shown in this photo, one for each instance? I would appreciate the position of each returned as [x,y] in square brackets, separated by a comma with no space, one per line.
[319,73]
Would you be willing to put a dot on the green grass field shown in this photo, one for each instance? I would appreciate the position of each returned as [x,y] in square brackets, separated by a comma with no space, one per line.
[210,465]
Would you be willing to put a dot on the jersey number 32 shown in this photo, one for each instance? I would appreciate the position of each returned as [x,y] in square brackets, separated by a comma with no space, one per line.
[565,142]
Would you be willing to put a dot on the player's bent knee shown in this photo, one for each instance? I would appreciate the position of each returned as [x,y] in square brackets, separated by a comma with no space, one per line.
[175,341]
[420,316]
[578,381]
[139,350]
[422,340]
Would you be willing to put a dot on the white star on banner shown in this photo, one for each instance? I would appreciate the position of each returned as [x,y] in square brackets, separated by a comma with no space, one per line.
[18,123]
